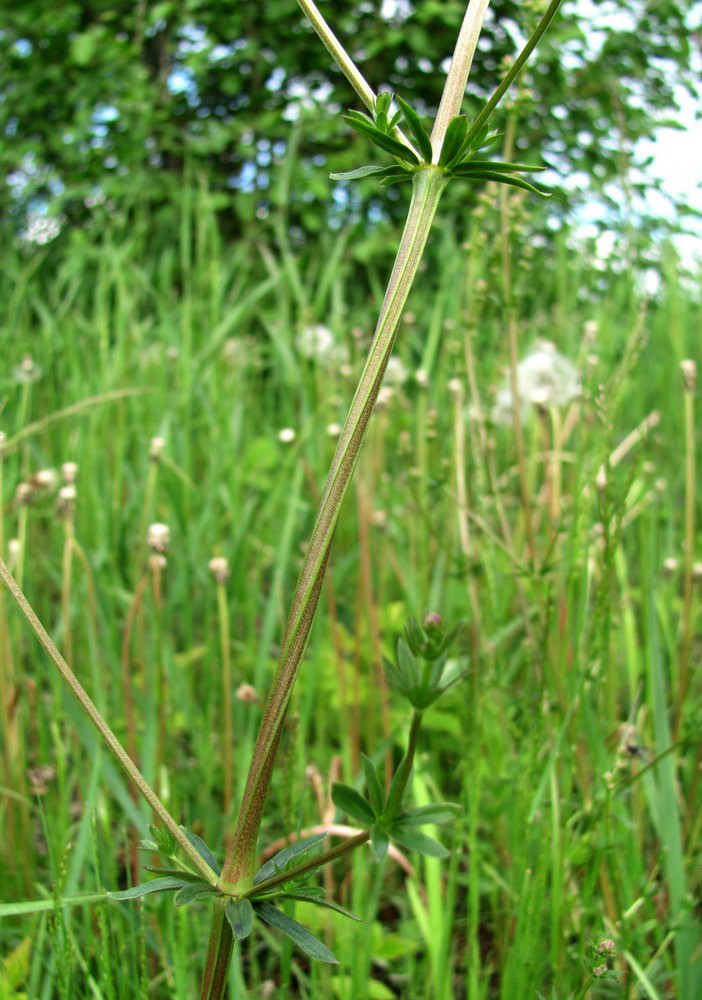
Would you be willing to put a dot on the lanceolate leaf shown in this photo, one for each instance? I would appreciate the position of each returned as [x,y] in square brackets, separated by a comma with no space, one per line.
[203,850]
[155,885]
[354,175]
[486,175]
[298,934]
[175,873]
[319,901]
[415,840]
[436,813]
[496,165]
[453,140]
[416,128]
[194,891]
[384,141]
[281,859]
[239,913]
[349,801]
[379,843]
[375,789]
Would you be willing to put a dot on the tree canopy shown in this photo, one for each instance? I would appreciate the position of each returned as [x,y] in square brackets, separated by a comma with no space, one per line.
[112,99]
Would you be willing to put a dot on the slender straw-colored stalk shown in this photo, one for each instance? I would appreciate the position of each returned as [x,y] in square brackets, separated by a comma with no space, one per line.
[227,740]
[108,736]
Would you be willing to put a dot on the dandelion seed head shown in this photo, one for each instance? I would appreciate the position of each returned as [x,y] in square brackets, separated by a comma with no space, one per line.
[333,430]
[385,395]
[14,549]
[156,446]
[546,378]
[455,387]
[670,566]
[66,500]
[287,435]
[395,373]
[315,341]
[421,378]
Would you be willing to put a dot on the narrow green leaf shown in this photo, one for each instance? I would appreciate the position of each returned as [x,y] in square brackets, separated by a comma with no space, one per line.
[407,663]
[359,116]
[203,850]
[281,859]
[298,934]
[384,141]
[379,843]
[376,793]
[175,873]
[396,778]
[149,845]
[239,913]
[486,175]
[399,177]
[414,840]
[329,904]
[348,800]
[415,126]
[193,891]
[155,885]
[353,175]
[436,813]
[499,166]
[453,140]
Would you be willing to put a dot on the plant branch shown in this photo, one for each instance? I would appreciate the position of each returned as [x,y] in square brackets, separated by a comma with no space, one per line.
[516,69]
[348,845]
[339,54]
[457,78]
[108,736]
[239,866]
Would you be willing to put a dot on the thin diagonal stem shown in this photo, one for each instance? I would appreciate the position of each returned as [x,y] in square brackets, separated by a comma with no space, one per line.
[108,736]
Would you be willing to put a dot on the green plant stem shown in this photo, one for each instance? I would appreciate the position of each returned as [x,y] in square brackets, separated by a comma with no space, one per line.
[518,65]
[405,769]
[461,61]
[239,865]
[339,851]
[686,644]
[108,736]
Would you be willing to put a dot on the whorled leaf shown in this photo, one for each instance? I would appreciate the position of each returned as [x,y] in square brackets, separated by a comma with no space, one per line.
[240,914]
[437,813]
[279,861]
[193,892]
[328,904]
[414,123]
[350,801]
[145,888]
[376,794]
[203,850]
[414,840]
[383,140]
[452,147]
[299,935]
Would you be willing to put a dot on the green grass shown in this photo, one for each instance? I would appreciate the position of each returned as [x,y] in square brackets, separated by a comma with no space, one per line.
[564,840]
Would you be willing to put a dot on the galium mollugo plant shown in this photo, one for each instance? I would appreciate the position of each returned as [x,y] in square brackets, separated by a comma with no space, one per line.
[454,150]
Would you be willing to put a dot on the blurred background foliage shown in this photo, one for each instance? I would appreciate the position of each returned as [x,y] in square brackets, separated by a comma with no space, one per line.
[126,102]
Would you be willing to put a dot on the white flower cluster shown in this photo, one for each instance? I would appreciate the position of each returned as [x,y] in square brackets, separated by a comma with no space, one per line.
[545,379]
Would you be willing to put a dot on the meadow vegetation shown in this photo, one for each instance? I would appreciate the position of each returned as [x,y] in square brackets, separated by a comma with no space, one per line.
[170,403]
